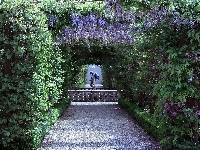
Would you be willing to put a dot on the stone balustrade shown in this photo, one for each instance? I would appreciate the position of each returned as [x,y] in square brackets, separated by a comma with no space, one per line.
[98,95]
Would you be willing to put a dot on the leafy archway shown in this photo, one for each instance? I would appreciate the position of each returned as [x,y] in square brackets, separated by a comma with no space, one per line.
[156,58]
[162,64]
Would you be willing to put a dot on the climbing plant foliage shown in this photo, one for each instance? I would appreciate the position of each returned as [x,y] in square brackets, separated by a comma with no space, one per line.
[31,76]
[162,70]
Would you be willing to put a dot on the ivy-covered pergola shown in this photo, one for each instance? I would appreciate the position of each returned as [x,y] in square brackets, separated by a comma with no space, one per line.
[150,49]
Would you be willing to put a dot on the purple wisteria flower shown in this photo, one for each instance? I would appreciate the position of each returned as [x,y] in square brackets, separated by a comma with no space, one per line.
[74,19]
[101,22]
[174,113]
[187,115]
[167,107]
[96,27]
[198,113]
[52,20]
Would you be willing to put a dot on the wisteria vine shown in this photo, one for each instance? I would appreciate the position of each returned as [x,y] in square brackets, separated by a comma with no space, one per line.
[93,27]
[120,27]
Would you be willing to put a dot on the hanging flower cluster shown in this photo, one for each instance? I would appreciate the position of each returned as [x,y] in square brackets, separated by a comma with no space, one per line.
[96,28]
[119,25]
[159,15]
[92,27]
[52,20]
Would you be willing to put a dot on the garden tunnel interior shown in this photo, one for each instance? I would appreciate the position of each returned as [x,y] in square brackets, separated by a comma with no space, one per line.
[93,55]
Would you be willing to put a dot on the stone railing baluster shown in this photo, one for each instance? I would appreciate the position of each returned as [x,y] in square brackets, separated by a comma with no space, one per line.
[86,95]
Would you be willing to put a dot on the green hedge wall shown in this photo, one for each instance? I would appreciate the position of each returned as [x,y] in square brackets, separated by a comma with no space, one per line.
[156,126]
[31,75]
[144,118]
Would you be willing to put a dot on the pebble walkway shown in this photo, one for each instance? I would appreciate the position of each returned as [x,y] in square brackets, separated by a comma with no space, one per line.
[97,126]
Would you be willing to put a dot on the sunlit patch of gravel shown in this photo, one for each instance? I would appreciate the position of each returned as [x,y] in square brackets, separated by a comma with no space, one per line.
[97,126]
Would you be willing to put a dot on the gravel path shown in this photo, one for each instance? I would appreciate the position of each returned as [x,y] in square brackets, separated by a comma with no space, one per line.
[97,126]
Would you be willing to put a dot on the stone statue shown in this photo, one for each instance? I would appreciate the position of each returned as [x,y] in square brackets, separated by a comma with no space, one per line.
[94,77]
